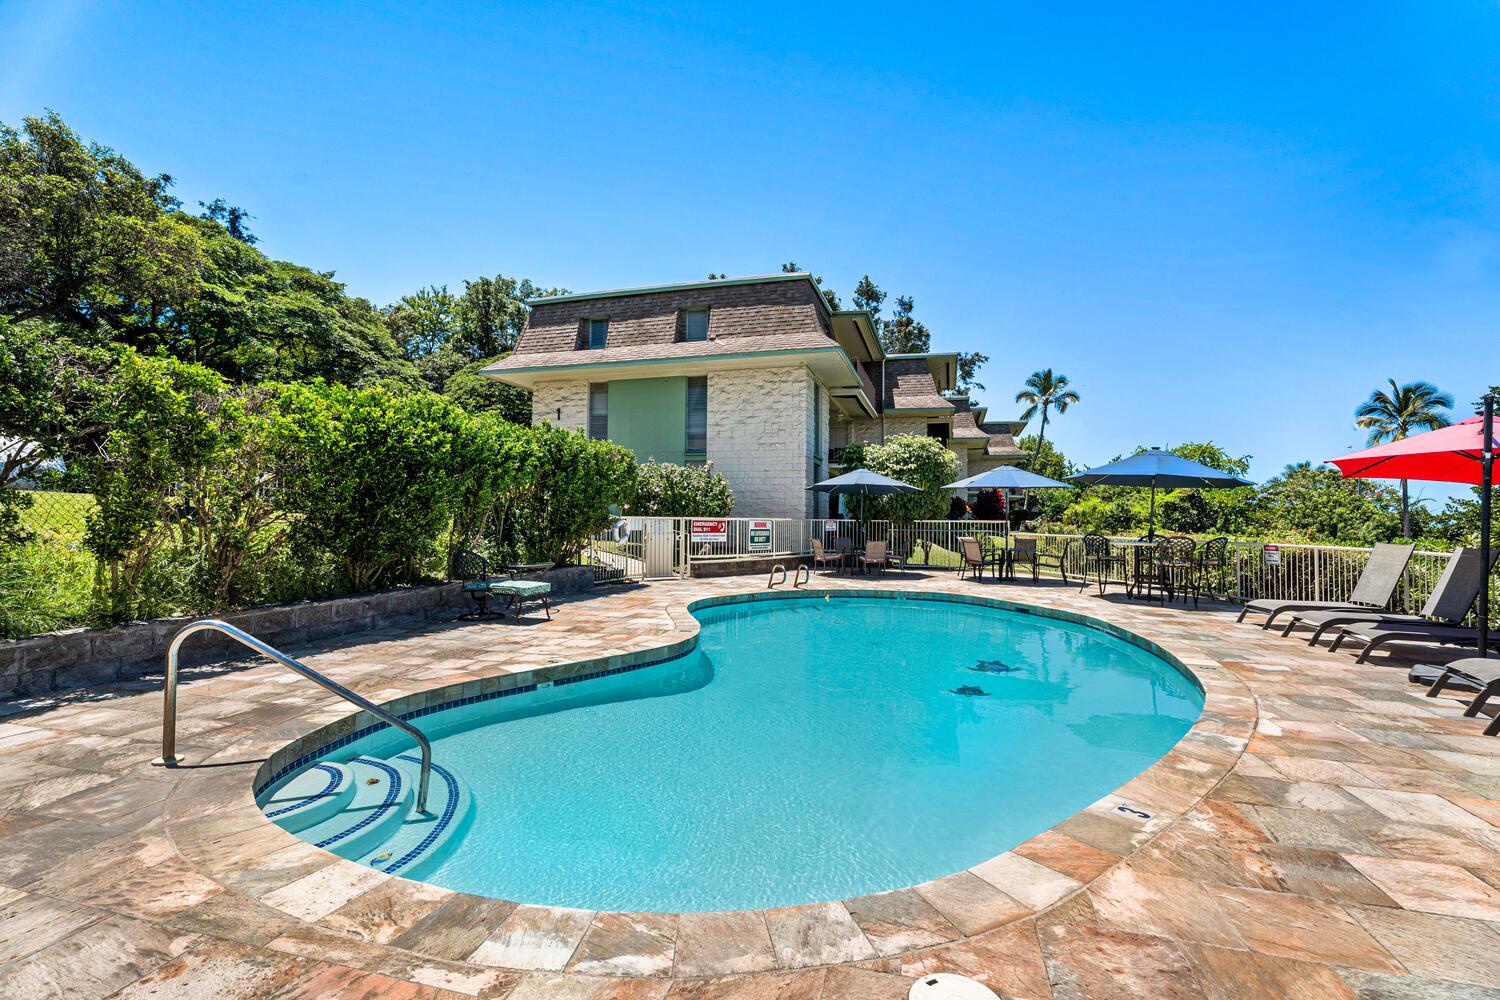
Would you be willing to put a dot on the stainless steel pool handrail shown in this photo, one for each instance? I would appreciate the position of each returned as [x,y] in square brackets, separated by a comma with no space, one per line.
[169,696]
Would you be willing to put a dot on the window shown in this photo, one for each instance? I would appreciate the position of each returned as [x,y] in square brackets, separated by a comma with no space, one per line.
[599,410]
[697,416]
[939,431]
[695,324]
[598,333]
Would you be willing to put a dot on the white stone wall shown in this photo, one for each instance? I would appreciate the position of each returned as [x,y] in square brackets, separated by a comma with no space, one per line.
[759,438]
[572,398]
[868,431]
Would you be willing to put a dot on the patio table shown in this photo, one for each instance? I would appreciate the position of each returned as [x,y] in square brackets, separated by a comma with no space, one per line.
[1142,554]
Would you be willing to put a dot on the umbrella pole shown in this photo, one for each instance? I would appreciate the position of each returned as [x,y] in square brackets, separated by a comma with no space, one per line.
[1486,481]
[1151,528]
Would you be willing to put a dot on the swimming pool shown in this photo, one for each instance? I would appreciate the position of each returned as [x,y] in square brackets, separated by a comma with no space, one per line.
[811,748]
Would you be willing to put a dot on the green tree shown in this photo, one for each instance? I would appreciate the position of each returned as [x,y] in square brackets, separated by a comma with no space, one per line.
[903,333]
[1045,391]
[480,394]
[869,297]
[666,490]
[84,235]
[233,218]
[969,363]
[1394,415]
[495,463]
[1318,504]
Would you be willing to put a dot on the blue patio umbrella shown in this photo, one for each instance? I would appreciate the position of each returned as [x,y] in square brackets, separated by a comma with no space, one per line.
[1157,468]
[1006,477]
[863,483]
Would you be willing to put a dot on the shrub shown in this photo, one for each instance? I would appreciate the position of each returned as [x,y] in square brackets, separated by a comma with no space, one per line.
[666,490]
[496,462]
[167,425]
[368,475]
[579,484]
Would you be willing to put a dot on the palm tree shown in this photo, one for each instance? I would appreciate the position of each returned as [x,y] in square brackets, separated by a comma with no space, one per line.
[1045,391]
[1393,415]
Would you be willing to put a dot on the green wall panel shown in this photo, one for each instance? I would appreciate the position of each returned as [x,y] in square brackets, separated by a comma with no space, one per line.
[649,416]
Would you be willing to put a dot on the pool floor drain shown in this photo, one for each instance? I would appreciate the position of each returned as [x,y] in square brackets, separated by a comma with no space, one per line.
[947,986]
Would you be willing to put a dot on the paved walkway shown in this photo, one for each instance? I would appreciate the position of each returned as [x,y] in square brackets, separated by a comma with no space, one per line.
[1324,831]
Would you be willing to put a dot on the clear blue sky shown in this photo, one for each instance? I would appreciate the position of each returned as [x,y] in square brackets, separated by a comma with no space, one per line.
[1224,222]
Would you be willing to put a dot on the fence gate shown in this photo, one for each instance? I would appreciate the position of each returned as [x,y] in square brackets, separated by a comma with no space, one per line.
[660,536]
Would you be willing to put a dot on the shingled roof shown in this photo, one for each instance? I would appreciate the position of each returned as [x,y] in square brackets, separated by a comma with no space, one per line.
[908,385]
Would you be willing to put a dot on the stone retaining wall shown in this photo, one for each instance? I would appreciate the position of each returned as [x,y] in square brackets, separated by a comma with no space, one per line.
[87,656]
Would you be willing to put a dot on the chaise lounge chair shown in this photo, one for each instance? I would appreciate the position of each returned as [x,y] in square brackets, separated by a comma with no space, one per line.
[1377,582]
[1475,672]
[1445,609]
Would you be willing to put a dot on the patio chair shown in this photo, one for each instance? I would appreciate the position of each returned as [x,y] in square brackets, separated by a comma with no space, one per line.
[1098,556]
[821,557]
[1173,569]
[1212,563]
[1445,609]
[1475,672]
[1372,591]
[874,555]
[971,557]
[483,586]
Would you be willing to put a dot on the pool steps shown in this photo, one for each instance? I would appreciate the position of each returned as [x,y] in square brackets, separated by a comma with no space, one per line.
[365,810]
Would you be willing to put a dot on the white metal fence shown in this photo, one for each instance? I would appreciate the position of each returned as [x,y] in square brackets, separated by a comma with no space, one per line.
[657,548]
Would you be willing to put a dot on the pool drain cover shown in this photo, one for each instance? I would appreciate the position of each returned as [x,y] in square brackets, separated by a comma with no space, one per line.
[947,986]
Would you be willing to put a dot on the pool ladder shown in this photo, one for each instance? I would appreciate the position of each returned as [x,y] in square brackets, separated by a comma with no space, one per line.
[802,578]
[169,756]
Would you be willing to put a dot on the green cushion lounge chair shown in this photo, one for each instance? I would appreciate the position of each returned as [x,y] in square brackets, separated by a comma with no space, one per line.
[482,586]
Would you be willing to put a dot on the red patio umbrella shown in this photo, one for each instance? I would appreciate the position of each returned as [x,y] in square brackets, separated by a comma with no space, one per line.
[1461,453]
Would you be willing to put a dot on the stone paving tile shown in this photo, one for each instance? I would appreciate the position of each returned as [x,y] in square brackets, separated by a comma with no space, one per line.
[535,937]
[820,934]
[628,944]
[93,962]
[900,920]
[710,944]
[1297,927]
[1380,986]
[1364,816]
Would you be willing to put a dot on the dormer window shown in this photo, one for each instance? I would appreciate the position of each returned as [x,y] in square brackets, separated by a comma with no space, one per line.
[598,334]
[695,324]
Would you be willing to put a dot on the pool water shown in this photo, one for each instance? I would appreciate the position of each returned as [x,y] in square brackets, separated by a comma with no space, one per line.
[809,749]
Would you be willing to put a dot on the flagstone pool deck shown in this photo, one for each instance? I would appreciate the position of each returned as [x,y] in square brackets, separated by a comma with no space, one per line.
[1323,831]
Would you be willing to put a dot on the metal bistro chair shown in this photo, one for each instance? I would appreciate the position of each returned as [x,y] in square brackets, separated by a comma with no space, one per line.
[1025,551]
[971,557]
[1100,558]
[1212,566]
[1174,569]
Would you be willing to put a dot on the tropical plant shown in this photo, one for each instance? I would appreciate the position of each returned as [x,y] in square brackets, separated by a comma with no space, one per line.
[1045,391]
[1394,415]
[666,490]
